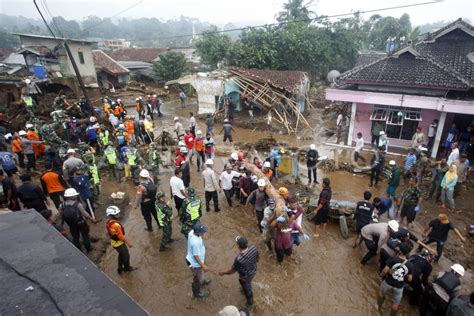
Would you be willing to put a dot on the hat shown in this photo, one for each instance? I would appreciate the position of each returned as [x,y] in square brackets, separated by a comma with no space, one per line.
[443,218]
[266,164]
[392,163]
[22,133]
[176,118]
[28,126]
[261,182]
[199,228]
[70,151]
[234,156]
[254,178]
[283,191]
[382,133]
[226,120]
[459,269]
[71,192]
[393,225]
[198,133]
[229,311]
[209,162]
[312,147]
[144,173]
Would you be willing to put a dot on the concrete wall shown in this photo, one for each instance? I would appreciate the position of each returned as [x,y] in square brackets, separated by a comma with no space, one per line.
[363,124]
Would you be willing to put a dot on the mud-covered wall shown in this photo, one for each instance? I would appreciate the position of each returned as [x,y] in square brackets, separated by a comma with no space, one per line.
[363,124]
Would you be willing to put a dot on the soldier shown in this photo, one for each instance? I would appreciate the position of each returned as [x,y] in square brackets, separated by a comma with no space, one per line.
[30,104]
[165,216]
[190,211]
[59,102]
[146,195]
[132,158]
[154,161]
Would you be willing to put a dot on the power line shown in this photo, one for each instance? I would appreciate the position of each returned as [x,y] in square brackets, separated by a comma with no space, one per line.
[305,20]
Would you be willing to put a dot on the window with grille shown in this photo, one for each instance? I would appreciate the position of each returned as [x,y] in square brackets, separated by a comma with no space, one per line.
[397,122]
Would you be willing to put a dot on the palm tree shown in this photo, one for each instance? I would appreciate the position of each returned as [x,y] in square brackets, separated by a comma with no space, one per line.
[296,10]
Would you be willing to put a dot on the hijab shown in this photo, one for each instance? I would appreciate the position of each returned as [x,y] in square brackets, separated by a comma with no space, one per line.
[451,175]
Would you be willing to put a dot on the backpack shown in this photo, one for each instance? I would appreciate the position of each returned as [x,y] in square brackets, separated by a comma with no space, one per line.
[71,215]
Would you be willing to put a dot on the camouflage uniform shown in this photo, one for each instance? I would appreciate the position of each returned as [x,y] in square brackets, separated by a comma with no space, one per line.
[165,215]
[154,161]
[190,212]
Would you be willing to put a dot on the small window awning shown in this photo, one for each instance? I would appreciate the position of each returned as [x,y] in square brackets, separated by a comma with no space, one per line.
[395,115]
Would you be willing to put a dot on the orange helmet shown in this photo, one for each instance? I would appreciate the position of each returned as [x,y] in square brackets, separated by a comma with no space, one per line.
[283,191]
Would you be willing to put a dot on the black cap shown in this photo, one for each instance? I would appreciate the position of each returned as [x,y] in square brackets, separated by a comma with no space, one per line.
[242,242]
[199,228]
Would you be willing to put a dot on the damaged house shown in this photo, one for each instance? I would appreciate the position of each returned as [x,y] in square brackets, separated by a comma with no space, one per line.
[412,87]
[109,72]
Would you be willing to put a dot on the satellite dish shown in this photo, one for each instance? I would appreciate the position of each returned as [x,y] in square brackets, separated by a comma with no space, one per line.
[333,75]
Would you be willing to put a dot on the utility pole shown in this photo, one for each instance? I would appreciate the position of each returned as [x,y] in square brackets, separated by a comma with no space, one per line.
[73,61]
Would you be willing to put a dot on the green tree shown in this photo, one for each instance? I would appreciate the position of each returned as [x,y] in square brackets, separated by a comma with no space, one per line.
[70,29]
[212,47]
[295,10]
[171,65]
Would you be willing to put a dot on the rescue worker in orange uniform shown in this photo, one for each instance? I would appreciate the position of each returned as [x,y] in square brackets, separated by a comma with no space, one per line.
[31,135]
[130,127]
[17,149]
[116,232]
[53,184]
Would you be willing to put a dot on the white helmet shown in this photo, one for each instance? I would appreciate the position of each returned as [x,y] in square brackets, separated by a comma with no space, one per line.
[183,150]
[267,164]
[28,126]
[144,173]
[22,133]
[234,156]
[312,147]
[392,163]
[119,100]
[136,99]
[209,162]
[92,119]
[226,120]
[393,225]
[112,210]
[121,126]
[261,182]
[459,269]
[71,192]
[154,95]
[176,118]
[199,132]
[70,151]
[140,97]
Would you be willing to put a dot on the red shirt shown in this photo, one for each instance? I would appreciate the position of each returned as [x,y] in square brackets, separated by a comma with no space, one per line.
[179,160]
[189,140]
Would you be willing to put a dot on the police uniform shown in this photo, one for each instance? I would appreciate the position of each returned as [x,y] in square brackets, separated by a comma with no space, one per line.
[190,213]
[146,193]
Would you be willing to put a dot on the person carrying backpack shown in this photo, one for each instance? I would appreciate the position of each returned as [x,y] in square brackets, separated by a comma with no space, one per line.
[73,213]
[258,198]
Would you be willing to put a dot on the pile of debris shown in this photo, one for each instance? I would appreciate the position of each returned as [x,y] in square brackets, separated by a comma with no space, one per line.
[261,145]
[279,92]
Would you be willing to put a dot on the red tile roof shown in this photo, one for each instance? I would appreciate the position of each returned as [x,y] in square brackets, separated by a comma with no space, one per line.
[282,79]
[147,55]
[105,63]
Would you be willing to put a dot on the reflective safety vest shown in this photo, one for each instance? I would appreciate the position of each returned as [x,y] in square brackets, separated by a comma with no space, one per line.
[95,174]
[161,214]
[111,155]
[104,137]
[193,209]
[28,101]
[131,157]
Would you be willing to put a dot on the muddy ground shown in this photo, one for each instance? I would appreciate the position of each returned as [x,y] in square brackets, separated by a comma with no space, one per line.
[325,277]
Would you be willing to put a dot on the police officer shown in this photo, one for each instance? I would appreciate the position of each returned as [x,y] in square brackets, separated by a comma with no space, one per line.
[445,287]
[133,157]
[146,195]
[111,158]
[190,212]
[165,215]
[421,272]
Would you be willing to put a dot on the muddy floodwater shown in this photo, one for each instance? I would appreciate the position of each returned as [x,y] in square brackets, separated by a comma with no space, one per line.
[325,277]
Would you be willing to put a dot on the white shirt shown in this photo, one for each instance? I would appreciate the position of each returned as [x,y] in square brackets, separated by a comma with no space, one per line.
[453,156]
[359,144]
[432,130]
[177,185]
[192,121]
[179,128]
[339,120]
[226,179]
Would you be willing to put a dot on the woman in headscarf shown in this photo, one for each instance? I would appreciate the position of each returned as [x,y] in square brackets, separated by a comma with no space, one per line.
[447,187]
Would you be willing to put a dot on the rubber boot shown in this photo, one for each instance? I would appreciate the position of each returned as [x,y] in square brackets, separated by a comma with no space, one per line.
[380,301]
[250,302]
[200,294]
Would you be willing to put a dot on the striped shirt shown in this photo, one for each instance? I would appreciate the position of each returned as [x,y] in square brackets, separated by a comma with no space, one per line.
[246,263]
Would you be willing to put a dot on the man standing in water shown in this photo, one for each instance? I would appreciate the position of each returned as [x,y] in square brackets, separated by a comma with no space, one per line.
[195,259]
[246,265]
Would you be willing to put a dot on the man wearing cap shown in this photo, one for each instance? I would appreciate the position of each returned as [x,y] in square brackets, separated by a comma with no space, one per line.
[375,235]
[246,265]
[311,161]
[116,232]
[190,212]
[444,288]
[227,129]
[71,164]
[178,128]
[146,195]
[393,180]
[258,198]
[437,231]
[225,182]
[195,259]
[268,232]
[211,186]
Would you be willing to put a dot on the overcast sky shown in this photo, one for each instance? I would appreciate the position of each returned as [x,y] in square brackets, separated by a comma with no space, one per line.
[248,12]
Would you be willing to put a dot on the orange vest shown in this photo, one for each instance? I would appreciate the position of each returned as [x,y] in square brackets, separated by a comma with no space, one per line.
[116,111]
[199,145]
[130,127]
[37,148]
[16,146]
[51,179]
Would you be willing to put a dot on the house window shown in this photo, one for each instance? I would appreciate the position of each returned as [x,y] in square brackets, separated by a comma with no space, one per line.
[400,123]
[81,57]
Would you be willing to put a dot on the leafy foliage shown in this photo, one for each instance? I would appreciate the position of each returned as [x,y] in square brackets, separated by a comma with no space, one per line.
[295,10]
[171,65]
[213,47]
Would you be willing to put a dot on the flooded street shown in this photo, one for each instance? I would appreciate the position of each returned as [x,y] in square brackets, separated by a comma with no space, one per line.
[326,275]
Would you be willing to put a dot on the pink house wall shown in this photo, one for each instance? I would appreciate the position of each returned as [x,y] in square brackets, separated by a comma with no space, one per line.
[363,124]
